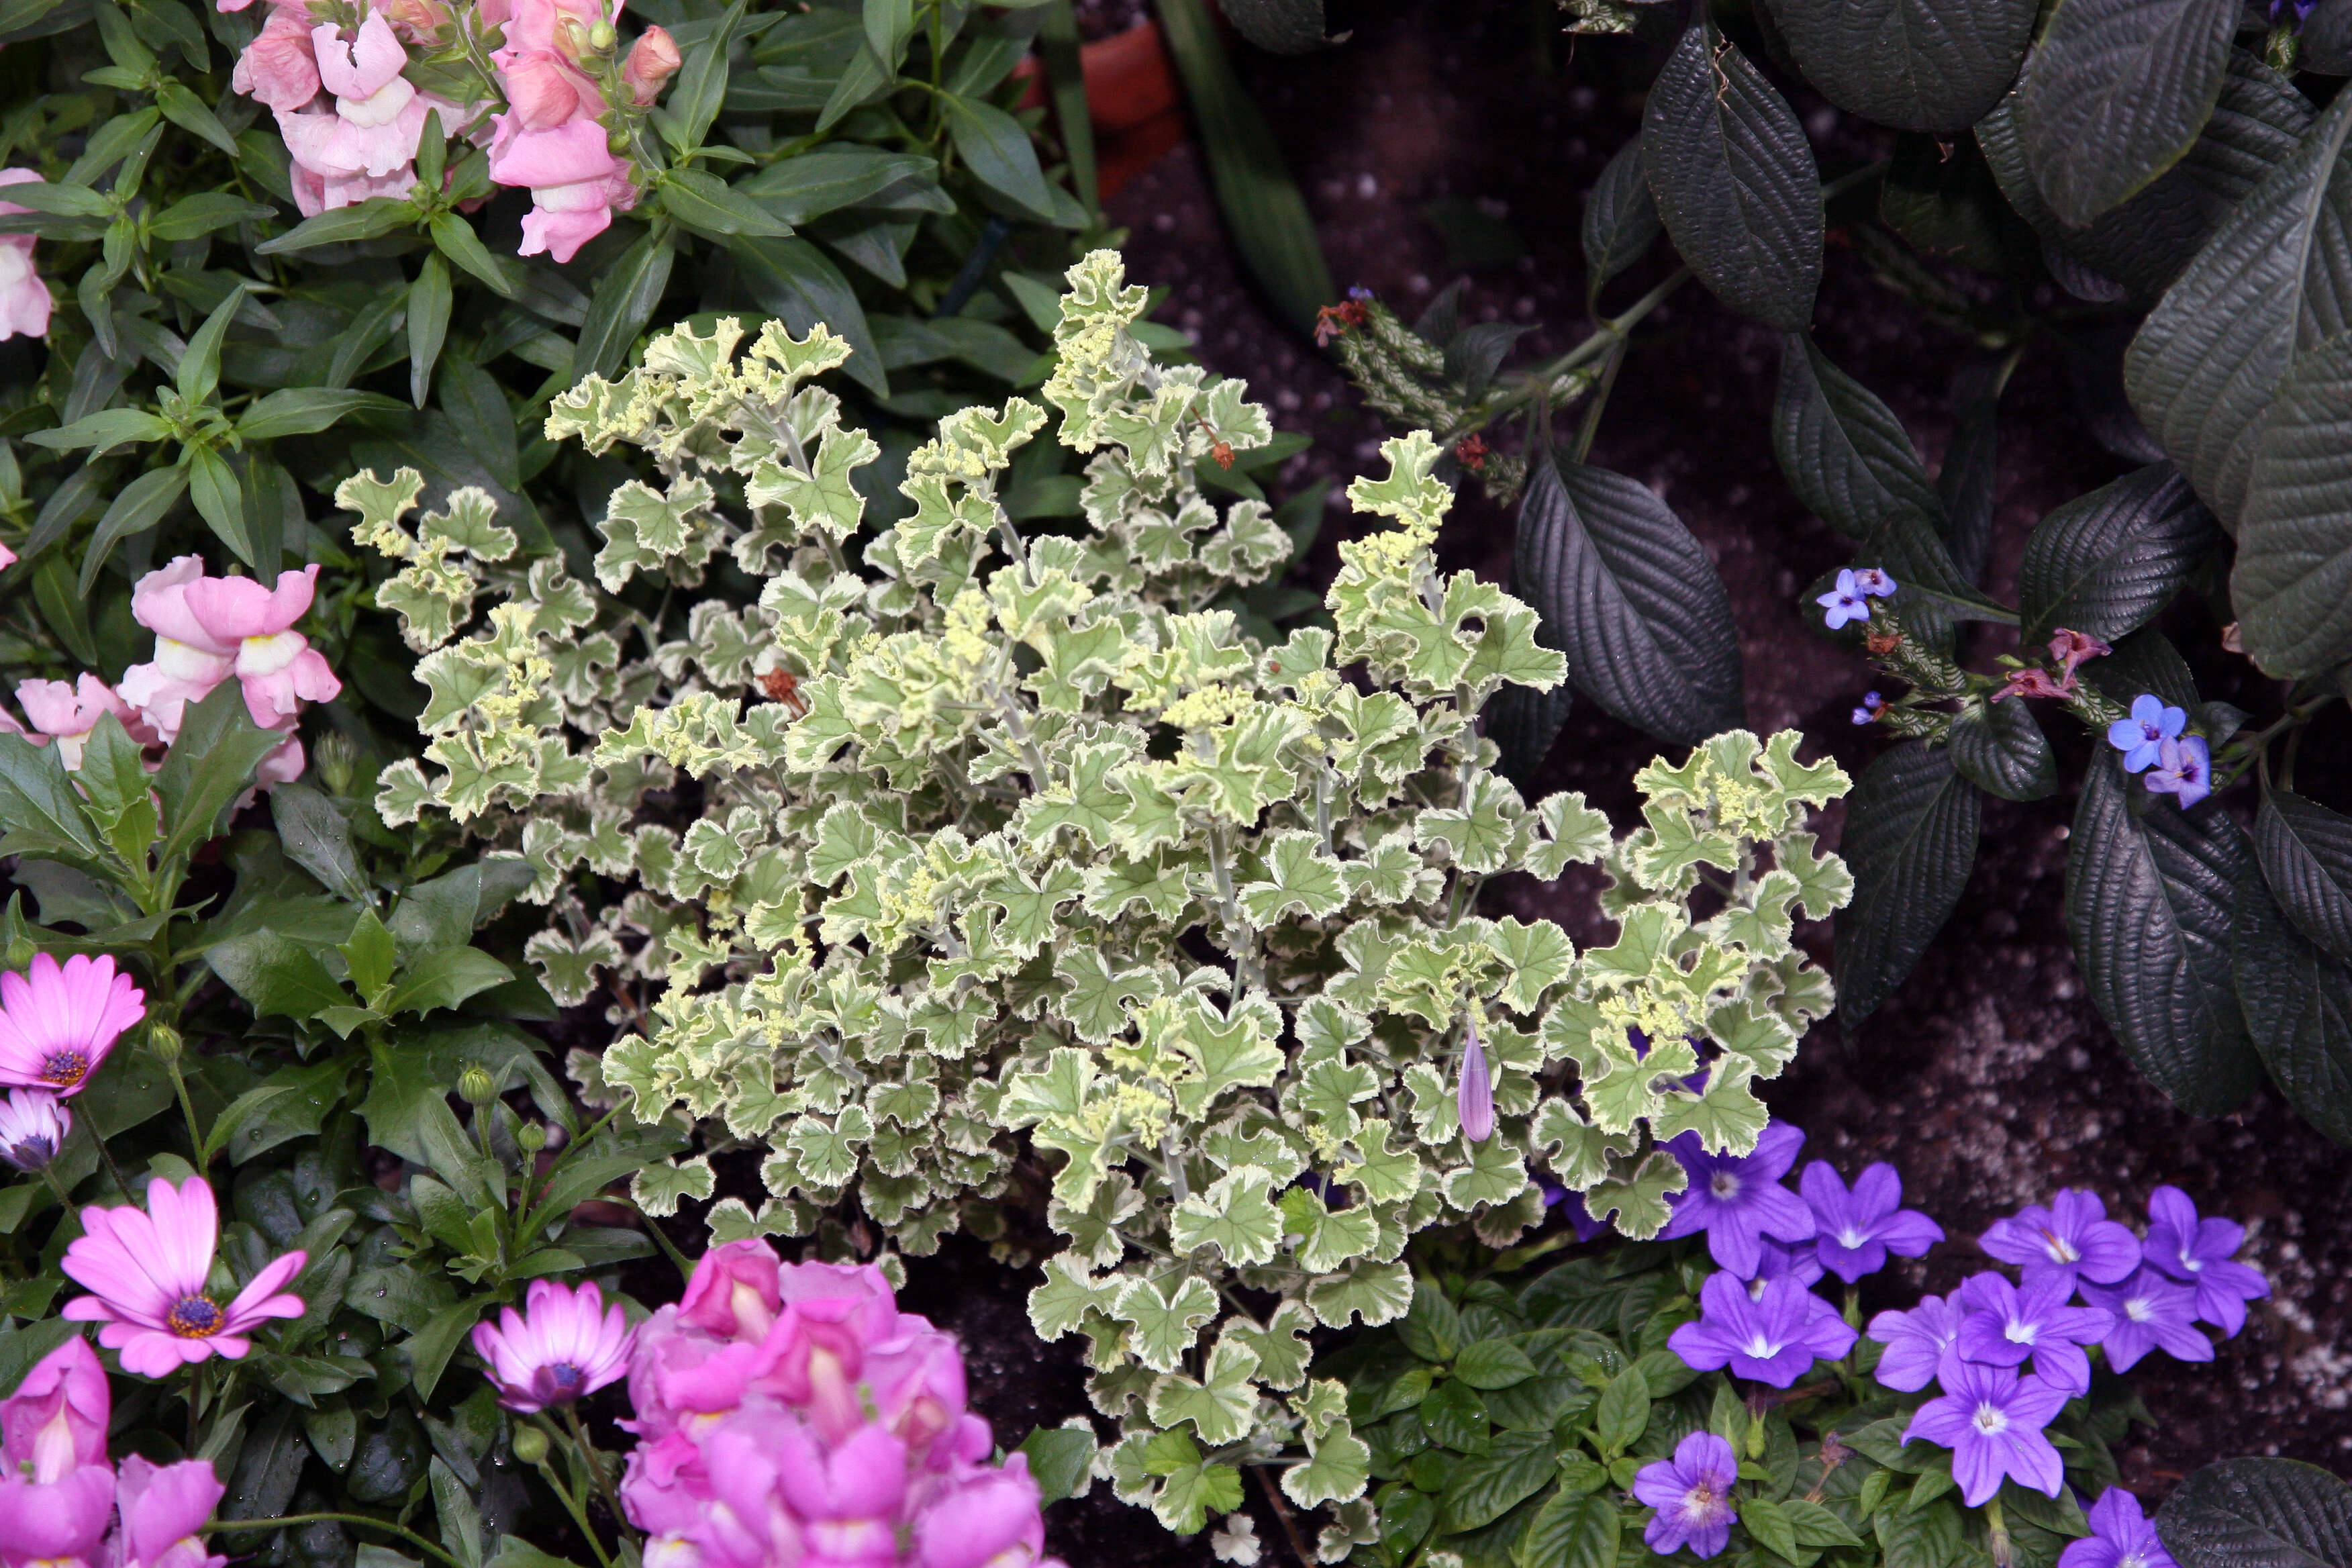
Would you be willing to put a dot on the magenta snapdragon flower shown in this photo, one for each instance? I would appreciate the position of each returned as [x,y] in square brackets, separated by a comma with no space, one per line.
[1738,1199]
[149,1276]
[1992,1420]
[1855,1230]
[2121,1537]
[2072,1239]
[58,1022]
[163,1506]
[2151,1313]
[2202,1252]
[34,1123]
[1774,1337]
[570,1345]
[2004,1325]
[57,1490]
[1916,1341]
[1692,1492]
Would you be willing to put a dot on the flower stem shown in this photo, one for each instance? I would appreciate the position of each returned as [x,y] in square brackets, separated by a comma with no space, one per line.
[188,1109]
[590,1458]
[1997,1527]
[383,1524]
[572,1506]
[1282,1511]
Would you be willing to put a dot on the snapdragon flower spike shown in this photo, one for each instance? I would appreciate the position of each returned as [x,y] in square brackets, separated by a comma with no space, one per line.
[149,1273]
[2184,770]
[2150,725]
[33,1126]
[1846,602]
[1474,1099]
[2202,1252]
[2004,1325]
[2121,1537]
[2073,1238]
[2151,1313]
[1692,1492]
[58,1022]
[1774,1337]
[1992,1420]
[1854,1230]
[1916,1341]
[1738,1199]
[568,1345]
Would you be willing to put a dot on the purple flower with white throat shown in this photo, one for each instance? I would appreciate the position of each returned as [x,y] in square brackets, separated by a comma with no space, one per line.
[570,1345]
[2073,1238]
[1845,603]
[1873,705]
[2184,770]
[2121,1537]
[1992,1420]
[1785,1260]
[33,1126]
[1916,1341]
[1738,1199]
[2202,1252]
[1692,1492]
[2150,725]
[1474,1099]
[2004,1325]
[1874,583]
[1854,1230]
[1773,1337]
[2151,1313]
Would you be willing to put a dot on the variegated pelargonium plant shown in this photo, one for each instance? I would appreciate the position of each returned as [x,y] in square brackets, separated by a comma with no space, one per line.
[1040,879]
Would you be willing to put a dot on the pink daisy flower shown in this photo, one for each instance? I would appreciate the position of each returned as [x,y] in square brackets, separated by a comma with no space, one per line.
[149,1274]
[57,1024]
[570,1345]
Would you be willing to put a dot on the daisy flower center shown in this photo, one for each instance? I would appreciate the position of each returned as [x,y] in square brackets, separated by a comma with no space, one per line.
[194,1318]
[65,1068]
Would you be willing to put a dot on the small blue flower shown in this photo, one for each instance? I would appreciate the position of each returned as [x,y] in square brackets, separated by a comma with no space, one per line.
[1874,583]
[1873,705]
[2150,725]
[2184,769]
[1846,601]
[1358,291]
[2300,10]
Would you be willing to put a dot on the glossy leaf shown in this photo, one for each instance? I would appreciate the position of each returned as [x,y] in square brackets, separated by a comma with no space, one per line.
[2258,1513]
[1843,451]
[2105,563]
[209,765]
[1280,27]
[1000,154]
[2292,586]
[279,977]
[1911,842]
[2297,1002]
[2305,851]
[1620,219]
[2115,92]
[1916,65]
[624,301]
[1998,748]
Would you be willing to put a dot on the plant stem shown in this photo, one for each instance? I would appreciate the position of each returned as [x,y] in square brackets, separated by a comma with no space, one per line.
[1282,1511]
[1997,1528]
[661,1239]
[1599,400]
[589,1457]
[188,1109]
[572,1506]
[383,1524]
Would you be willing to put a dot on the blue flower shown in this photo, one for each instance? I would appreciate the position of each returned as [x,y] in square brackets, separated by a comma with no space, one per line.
[1857,1229]
[1738,1200]
[2202,1252]
[1876,584]
[1846,601]
[1692,1492]
[1916,1341]
[2121,1537]
[2139,737]
[2184,769]
[1773,1337]
[2151,1313]
[1873,705]
[2005,1325]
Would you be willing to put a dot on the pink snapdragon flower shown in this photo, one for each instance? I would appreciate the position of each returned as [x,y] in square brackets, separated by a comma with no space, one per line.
[209,628]
[548,44]
[365,145]
[149,1274]
[24,297]
[67,714]
[653,59]
[7,558]
[163,1506]
[575,182]
[57,1023]
[57,1490]
[280,67]
[569,1346]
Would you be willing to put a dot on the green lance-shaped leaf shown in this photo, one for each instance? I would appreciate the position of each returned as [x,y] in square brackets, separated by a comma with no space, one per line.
[1843,451]
[2116,92]
[1916,64]
[1735,180]
[1632,598]
[2206,363]
[2305,851]
[1910,840]
[2105,563]
[2148,904]
[1621,220]
[2258,1513]
[2292,586]
[2297,1001]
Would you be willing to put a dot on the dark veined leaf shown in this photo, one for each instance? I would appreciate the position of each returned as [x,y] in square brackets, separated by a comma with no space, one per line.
[1571,1530]
[2148,905]
[1968,482]
[2210,356]
[2258,1513]
[1621,220]
[1524,721]
[2105,562]
[1735,180]
[1280,27]
[1916,64]
[2292,586]
[1998,748]
[2115,92]
[1842,451]
[1941,197]
[2305,851]
[1631,599]
[624,301]
[2297,1001]
[1911,841]
[2145,661]
[2327,39]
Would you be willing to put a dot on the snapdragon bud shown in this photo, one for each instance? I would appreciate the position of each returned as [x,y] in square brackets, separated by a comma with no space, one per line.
[337,762]
[475,1086]
[531,1445]
[165,1041]
[601,37]
[652,61]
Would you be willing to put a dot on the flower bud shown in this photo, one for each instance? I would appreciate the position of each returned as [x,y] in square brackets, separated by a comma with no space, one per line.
[652,61]
[475,1086]
[601,36]
[531,1445]
[20,955]
[1475,1098]
[337,762]
[422,19]
[165,1041]
[33,1127]
[532,1137]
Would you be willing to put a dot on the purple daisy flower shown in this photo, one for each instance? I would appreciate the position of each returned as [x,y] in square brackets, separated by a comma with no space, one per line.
[1738,1199]
[1916,1341]
[2121,1537]
[2201,1252]
[1992,1420]
[2184,770]
[1845,603]
[2151,724]
[2152,1313]
[1692,1492]
[2004,1325]
[1774,1337]
[1855,1230]
[2073,1238]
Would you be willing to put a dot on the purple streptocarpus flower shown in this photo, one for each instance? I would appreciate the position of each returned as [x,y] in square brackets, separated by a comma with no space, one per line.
[57,1024]
[1855,1231]
[2004,1325]
[2202,1252]
[2151,1313]
[1791,1260]
[33,1126]
[148,1274]
[2121,1537]
[2072,1237]
[1992,1420]
[1844,604]
[1774,1337]
[1874,583]
[1873,705]
[2184,770]
[1738,1199]
[1474,1099]
[1916,1341]
[2150,725]
[570,1345]
[1692,1492]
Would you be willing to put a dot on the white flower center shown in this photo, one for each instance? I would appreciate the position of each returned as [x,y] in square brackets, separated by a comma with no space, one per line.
[2020,1333]
[1762,1348]
[1991,1420]
[2061,1250]
[2194,1265]
[1851,1239]
[1725,1186]
[2139,1308]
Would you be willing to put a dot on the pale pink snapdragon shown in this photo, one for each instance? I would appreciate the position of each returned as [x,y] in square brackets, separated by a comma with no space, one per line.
[364,145]
[67,714]
[24,297]
[210,629]
[575,182]
[149,1276]
[279,68]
